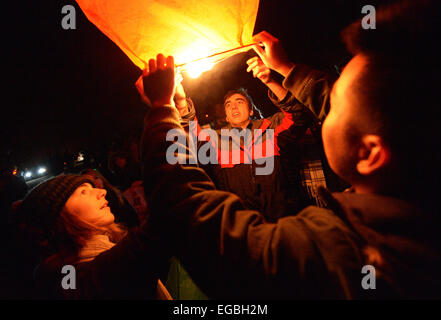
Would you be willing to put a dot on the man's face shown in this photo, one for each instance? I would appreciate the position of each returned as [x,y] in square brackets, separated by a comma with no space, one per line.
[237,110]
[338,131]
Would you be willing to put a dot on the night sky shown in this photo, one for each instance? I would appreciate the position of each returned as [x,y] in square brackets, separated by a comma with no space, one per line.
[70,90]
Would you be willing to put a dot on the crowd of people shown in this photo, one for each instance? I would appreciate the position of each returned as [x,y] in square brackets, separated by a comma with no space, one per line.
[364,196]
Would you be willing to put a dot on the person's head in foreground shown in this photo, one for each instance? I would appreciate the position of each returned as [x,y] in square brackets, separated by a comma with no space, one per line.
[63,215]
[381,133]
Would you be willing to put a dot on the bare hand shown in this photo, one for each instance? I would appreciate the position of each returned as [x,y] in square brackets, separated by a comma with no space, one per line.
[140,87]
[180,92]
[180,96]
[260,70]
[273,56]
[159,80]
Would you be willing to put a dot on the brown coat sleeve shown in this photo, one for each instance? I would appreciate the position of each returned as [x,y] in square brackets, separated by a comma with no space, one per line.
[311,87]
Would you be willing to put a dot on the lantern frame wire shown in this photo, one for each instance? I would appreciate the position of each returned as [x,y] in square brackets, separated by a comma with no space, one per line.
[182,65]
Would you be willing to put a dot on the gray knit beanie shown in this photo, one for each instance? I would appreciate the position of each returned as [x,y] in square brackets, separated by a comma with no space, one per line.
[43,204]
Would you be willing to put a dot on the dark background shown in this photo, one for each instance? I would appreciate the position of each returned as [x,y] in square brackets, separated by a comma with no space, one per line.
[72,90]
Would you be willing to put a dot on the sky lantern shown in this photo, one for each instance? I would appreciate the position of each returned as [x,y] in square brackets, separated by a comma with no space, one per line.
[198,33]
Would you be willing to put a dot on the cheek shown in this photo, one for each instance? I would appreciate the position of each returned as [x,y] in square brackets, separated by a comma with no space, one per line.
[332,144]
[99,217]
[84,207]
[104,217]
[84,210]
[74,206]
[340,147]
[327,133]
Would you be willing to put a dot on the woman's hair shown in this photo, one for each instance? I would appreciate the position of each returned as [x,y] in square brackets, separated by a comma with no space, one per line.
[257,114]
[72,232]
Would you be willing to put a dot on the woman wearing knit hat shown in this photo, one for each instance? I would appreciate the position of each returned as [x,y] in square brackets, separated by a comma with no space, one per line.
[67,221]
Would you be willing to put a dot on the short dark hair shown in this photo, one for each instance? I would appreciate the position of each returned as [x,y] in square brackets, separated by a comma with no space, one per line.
[399,86]
[257,114]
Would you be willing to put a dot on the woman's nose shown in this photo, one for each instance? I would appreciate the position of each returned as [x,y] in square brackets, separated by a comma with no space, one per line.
[101,193]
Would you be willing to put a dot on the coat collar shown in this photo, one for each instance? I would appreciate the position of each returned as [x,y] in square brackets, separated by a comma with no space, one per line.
[386,221]
[253,124]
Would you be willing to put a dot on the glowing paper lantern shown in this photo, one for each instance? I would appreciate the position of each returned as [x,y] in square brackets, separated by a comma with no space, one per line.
[186,29]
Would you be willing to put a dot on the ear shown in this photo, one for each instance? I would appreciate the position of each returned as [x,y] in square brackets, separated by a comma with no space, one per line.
[251,112]
[373,154]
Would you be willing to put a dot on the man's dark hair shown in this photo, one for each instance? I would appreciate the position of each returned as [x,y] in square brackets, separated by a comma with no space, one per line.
[399,86]
[257,114]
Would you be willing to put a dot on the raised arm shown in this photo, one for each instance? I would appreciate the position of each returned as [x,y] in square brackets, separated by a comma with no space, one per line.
[263,73]
[183,104]
[310,87]
[294,114]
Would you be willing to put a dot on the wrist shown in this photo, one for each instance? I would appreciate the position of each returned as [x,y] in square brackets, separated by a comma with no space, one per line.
[160,103]
[285,68]
[181,103]
[270,82]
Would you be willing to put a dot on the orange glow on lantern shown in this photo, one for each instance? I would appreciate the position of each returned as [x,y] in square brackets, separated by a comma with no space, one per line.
[189,30]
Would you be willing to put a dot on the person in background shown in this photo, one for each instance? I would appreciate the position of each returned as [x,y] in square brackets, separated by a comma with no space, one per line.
[123,169]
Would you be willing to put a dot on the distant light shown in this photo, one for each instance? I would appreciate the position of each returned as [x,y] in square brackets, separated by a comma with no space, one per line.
[14,172]
[41,170]
[80,157]
[28,174]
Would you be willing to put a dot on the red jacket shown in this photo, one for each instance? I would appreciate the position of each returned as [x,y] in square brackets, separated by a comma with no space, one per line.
[269,193]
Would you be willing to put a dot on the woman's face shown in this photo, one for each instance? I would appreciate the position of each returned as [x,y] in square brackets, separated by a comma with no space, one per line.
[90,205]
